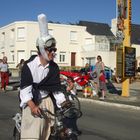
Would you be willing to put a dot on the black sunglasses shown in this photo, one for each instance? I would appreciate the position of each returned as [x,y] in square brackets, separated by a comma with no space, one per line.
[51,49]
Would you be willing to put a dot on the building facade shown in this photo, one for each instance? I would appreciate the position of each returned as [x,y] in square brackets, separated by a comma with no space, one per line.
[76,45]
[18,41]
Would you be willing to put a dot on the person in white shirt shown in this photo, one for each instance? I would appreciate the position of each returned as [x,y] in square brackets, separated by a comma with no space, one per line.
[40,79]
[4,73]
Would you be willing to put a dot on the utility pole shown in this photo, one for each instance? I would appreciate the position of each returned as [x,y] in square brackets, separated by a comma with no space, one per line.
[127,42]
[124,28]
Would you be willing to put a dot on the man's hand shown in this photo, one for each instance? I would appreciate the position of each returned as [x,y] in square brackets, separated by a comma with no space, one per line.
[35,110]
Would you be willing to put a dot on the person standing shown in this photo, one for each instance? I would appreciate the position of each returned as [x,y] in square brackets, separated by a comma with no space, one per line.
[19,66]
[86,69]
[4,74]
[98,67]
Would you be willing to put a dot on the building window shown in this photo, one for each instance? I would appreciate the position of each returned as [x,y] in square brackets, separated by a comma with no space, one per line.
[88,41]
[3,40]
[21,33]
[73,36]
[3,36]
[90,60]
[62,56]
[3,54]
[12,35]
[12,32]
[33,52]
[20,55]
[103,47]
[12,56]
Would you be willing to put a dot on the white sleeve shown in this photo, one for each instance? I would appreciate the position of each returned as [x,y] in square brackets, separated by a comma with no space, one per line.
[59,97]
[25,95]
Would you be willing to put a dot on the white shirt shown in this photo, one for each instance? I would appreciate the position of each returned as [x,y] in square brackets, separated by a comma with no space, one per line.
[39,72]
[3,67]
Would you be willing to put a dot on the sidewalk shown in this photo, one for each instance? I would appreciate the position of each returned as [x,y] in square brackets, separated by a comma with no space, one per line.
[113,95]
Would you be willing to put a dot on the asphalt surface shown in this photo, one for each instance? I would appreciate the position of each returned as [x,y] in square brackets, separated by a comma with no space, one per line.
[113,96]
[99,122]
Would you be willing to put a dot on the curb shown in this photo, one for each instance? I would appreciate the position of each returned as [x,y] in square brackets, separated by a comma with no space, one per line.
[110,104]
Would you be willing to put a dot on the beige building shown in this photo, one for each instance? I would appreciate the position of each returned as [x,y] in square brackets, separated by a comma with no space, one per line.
[18,41]
[76,45]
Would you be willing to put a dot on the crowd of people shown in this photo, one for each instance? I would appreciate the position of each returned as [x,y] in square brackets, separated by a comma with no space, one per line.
[5,73]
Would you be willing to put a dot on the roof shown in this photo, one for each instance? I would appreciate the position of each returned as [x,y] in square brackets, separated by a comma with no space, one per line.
[135,34]
[95,28]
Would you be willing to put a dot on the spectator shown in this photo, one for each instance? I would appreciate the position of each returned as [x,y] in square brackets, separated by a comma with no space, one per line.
[19,66]
[102,84]
[4,74]
[86,69]
[98,67]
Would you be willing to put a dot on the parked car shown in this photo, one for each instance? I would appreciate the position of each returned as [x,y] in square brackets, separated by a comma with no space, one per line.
[108,72]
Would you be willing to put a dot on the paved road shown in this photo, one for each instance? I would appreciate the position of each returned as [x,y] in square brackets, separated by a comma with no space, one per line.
[99,121]
[8,107]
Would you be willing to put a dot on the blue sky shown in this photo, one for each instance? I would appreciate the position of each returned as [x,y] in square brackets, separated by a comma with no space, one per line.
[63,11]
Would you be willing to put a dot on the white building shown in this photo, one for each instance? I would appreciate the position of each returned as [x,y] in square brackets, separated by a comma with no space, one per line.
[18,41]
[77,44]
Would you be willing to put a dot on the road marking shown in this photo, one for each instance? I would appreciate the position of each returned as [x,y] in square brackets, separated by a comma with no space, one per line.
[110,104]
